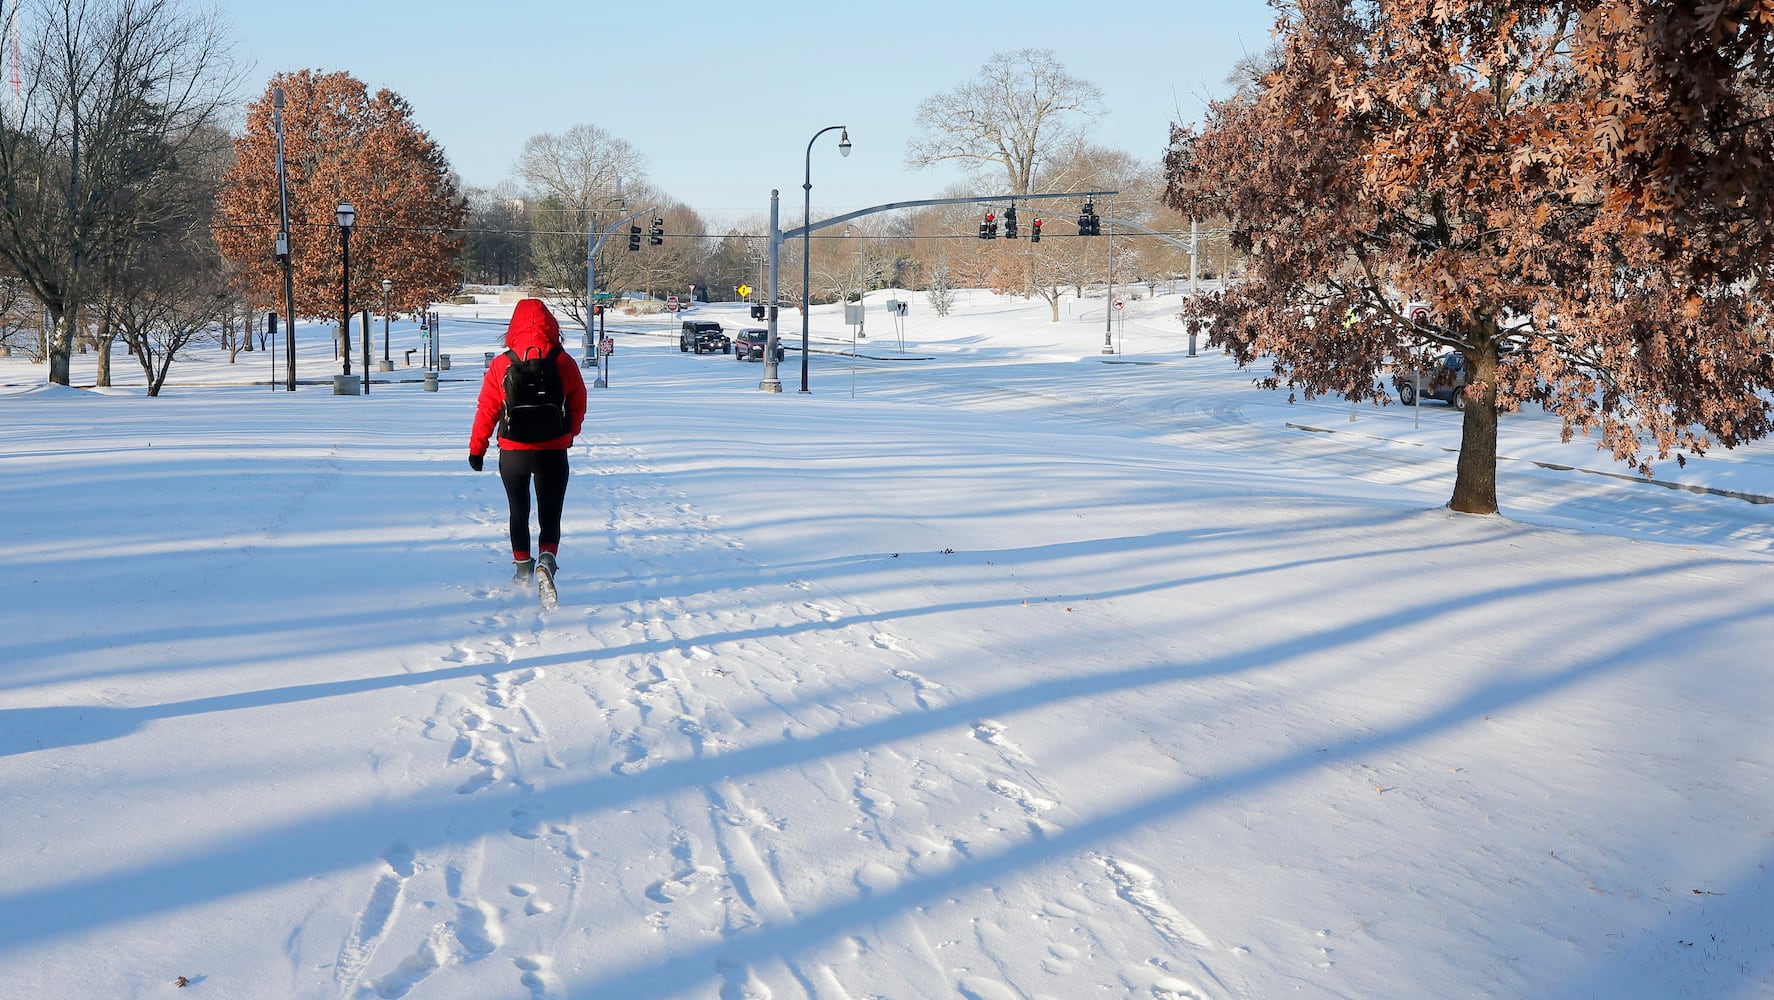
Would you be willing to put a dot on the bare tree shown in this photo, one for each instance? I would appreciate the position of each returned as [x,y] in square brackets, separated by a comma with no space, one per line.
[170,285]
[577,181]
[581,168]
[1019,109]
[177,293]
[18,319]
[1021,113]
[114,91]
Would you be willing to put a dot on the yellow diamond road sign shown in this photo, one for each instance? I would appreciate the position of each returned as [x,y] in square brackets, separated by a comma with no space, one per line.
[744,291]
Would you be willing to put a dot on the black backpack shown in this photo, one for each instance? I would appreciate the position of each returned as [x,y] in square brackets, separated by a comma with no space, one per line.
[535,403]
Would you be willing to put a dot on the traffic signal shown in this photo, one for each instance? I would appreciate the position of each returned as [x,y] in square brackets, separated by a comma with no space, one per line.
[1010,223]
[656,235]
[757,312]
[1089,223]
[988,230]
[634,237]
[597,310]
[1035,231]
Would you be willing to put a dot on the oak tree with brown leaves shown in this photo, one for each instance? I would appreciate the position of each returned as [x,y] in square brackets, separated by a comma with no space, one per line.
[342,144]
[1577,189]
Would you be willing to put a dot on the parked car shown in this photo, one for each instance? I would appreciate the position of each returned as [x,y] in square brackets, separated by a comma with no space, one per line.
[750,343]
[703,336]
[1443,380]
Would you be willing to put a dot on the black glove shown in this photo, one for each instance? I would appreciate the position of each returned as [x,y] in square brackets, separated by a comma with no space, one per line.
[475,462]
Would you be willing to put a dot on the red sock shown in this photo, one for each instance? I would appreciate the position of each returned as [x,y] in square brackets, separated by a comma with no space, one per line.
[553,550]
[520,557]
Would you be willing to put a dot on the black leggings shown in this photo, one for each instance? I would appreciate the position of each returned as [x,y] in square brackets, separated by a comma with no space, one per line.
[550,471]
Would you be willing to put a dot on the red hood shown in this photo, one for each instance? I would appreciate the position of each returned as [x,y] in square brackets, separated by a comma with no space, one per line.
[533,329]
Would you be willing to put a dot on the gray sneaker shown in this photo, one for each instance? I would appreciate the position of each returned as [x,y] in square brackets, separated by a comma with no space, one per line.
[522,570]
[545,592]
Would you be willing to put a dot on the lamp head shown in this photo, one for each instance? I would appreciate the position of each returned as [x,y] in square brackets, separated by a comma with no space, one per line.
[387,285]
[346,215]
[844,142]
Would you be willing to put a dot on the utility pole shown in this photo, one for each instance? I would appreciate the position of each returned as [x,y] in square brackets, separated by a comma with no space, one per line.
[1108,304]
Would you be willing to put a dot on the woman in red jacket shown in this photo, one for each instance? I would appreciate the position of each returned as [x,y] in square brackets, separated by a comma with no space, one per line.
[535,397]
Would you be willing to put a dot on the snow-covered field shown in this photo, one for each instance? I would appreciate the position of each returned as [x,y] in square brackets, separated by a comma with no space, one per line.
[996,668]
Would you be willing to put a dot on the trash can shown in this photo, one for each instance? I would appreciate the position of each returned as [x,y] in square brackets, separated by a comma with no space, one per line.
[347,385]
[443,362]
[384,365]
[430,381]
[489,357]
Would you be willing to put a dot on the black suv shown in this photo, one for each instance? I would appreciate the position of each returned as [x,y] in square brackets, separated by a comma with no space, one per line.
[751,344]
[703,336]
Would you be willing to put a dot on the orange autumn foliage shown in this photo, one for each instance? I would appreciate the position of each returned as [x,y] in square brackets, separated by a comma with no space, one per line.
[342,144]
[1577,190]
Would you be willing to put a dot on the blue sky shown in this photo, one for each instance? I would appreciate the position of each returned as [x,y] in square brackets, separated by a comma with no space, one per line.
[722,99]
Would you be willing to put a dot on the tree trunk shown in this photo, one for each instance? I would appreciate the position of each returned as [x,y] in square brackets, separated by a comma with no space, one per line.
[61,340]
[107,333]
[1475,476]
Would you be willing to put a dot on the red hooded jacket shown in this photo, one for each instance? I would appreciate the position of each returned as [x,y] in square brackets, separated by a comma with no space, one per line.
[532,332]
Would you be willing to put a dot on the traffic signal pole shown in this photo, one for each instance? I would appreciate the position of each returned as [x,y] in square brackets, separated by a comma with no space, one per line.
[594,241]
[772,381]
[1108,305]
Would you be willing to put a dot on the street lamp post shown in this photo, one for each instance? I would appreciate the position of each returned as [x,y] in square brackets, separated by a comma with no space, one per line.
[806,235]
[387,289]
[345,216]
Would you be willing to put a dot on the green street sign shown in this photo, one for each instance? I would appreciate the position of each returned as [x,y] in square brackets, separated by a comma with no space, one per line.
[603,296]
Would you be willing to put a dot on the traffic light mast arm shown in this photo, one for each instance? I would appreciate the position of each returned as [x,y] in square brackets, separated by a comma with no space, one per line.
[594,241]
[796,232]
[598,239]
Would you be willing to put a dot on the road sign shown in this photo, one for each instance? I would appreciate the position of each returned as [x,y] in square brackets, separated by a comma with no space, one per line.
[606,346]
[602,296]
[1118,303]
[744,291]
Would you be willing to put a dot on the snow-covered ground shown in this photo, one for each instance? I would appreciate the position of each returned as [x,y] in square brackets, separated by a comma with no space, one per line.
[996,667]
